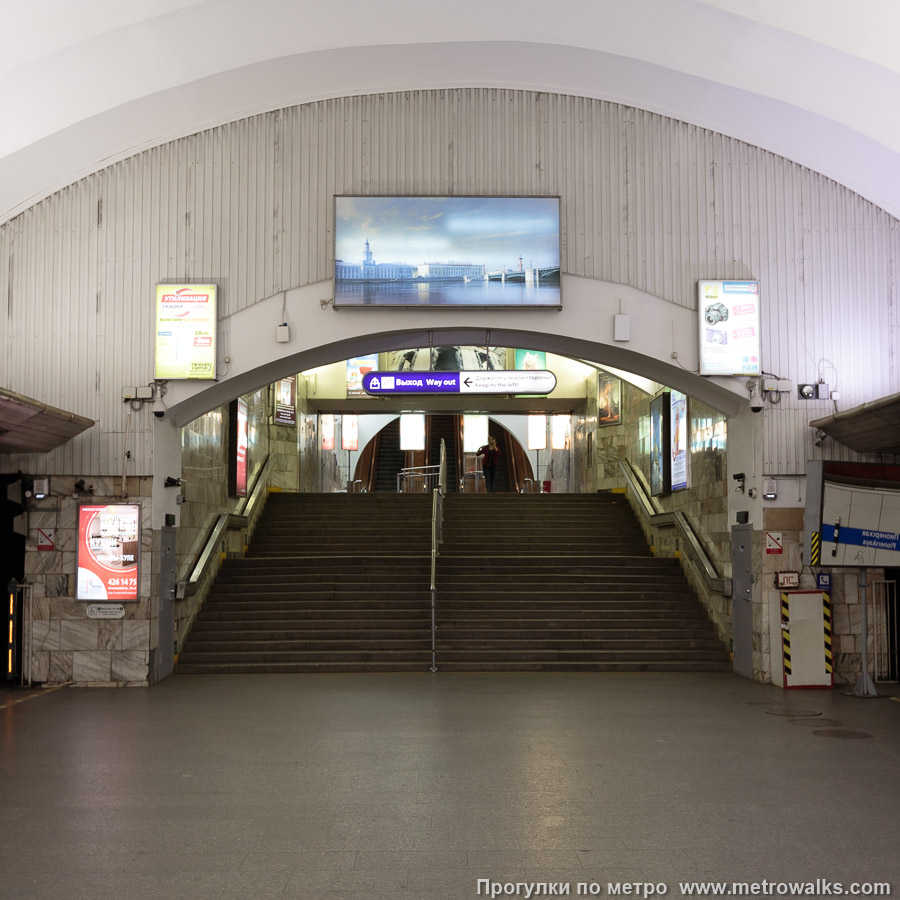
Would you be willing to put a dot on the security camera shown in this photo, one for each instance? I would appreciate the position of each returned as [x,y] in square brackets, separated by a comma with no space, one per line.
[159,408]
[756,403]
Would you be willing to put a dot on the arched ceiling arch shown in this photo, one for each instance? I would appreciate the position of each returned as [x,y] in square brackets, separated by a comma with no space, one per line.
[80,90]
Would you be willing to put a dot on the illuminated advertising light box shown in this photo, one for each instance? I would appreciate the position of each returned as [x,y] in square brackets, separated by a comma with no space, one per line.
[440,252]
[531,360]
[537,432]
[350,432]
[475,433]
[185,331]
[108,551]
[356,368]
[660,472]
[412,431]
[559,432]
[678,446]
[609,400]
[326,426]
[239,444]
[286,401]
[729,327]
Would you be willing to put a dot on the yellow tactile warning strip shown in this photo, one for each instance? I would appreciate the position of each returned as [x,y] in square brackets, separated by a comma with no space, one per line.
[38,693]
[786,634]
[814,549]
[826,613]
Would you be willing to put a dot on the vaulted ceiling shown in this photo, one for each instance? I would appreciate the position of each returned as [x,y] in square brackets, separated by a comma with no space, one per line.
[82,85]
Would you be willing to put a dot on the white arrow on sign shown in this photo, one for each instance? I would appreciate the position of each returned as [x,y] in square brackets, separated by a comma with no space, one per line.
[506,381]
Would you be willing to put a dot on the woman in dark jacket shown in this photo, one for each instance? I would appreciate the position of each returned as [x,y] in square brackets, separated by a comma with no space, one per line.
[489,454]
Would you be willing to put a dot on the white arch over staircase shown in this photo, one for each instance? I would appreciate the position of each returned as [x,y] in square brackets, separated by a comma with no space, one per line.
[663,345]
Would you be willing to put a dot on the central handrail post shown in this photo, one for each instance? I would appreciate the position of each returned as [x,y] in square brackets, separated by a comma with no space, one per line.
[435,504]
[437,537]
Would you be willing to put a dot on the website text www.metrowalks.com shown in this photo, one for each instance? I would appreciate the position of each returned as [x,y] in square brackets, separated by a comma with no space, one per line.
[646,889]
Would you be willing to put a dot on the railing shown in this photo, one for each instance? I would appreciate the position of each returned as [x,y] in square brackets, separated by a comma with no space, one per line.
[714,582]
[525,489]
[419,479]
[437,537]
[226,521]
[474,475]
[353,489]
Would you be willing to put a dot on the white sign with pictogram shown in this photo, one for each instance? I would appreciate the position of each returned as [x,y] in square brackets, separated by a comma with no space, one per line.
[46,538]
[774,542]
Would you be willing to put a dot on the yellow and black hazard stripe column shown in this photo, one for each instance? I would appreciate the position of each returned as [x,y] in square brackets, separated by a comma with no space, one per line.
[814,549]
[826,612]
[786,635]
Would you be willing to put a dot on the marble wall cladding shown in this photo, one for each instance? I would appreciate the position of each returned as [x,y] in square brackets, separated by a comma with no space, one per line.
[204,466]
[67,646]
[598,449]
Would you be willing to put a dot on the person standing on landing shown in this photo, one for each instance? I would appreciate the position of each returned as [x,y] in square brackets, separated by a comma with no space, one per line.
[489,453]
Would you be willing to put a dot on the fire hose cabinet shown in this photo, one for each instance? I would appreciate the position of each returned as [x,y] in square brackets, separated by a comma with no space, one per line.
[806,639]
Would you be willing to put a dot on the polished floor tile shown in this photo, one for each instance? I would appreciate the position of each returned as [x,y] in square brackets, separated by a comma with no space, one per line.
[416,786]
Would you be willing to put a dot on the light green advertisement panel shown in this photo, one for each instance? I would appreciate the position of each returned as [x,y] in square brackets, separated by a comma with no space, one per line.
[185,331]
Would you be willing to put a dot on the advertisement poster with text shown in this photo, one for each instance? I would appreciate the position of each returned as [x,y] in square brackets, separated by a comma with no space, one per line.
[679,444]
[108,549]
[356,368]
[185,331]
[729,328]
[286,401]
[350,432]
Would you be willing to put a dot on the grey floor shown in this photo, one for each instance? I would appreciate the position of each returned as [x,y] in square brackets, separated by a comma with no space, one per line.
[416,786]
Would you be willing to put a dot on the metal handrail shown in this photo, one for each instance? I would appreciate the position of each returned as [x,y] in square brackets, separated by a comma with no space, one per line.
[425,472]
[715,583]
[225,521]
[437,537]
[525,481]
[353,485]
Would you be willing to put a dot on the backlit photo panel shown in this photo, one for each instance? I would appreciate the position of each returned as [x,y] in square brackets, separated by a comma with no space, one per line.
[472,252]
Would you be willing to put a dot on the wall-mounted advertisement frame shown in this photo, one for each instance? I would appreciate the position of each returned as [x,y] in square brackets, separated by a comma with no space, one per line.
[350,432]
[326,428]
[356,368]
[238,444]
[412,431]
[475,432]
[285,412]
[609,400]
[660,474]
[107,555]
[186,324]
[427,252]
[537,432]
[560,431]
[728,315]
[531,360]
[679,456]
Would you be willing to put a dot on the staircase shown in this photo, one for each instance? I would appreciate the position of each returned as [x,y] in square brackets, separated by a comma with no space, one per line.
[563,583]
[391,459]
[340,583]
[332,583]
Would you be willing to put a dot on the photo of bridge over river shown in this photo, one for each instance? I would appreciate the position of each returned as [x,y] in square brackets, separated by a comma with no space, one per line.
[447,251]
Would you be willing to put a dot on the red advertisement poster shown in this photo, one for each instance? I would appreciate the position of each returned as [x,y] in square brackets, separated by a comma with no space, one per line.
[241,448]
[108,552]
